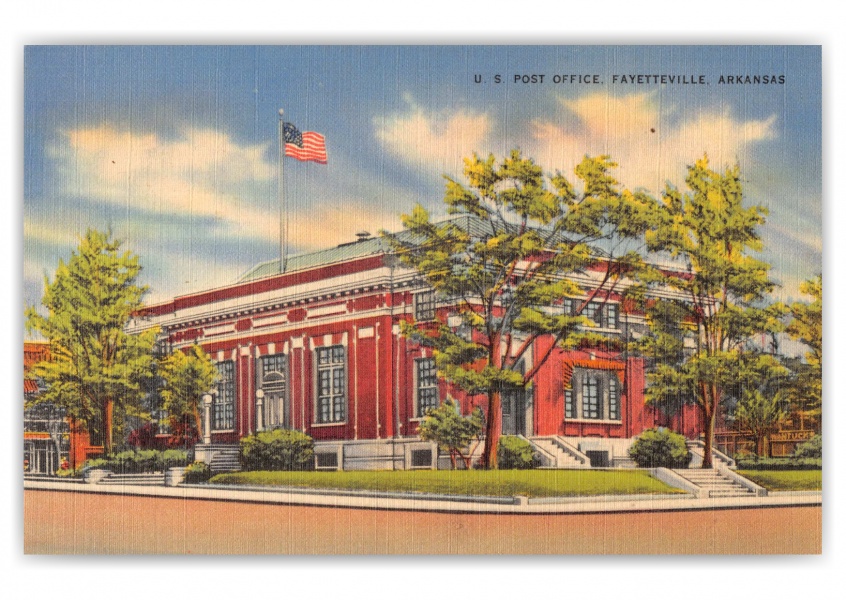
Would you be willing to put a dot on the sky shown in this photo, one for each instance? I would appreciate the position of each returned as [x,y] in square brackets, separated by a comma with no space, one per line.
[175,148]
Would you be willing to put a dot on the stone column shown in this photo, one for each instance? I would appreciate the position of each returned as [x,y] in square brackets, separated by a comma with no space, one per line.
[259,410]
[207,403]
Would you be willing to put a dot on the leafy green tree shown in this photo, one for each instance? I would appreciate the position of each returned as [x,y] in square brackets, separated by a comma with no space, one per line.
[721,294]
[806,326]
[761,414]
[761,389]
[187,377]
[499,264]
[453,432]
[95,368]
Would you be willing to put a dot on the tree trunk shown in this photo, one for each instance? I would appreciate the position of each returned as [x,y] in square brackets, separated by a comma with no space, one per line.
[198,421]
[108,423]
[452,459]
[493,430]
[710,422]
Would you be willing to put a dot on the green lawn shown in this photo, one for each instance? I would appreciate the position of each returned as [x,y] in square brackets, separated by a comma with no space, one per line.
[531,483]
[786,480]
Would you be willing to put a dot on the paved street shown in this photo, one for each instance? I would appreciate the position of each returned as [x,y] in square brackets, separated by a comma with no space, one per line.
[73,523]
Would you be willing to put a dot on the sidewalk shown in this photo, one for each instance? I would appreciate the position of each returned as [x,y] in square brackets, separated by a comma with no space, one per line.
[437,503]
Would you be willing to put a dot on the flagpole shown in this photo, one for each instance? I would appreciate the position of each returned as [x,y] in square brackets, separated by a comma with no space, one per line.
[283,213]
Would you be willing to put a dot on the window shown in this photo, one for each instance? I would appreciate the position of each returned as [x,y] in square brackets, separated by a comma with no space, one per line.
[424,306]
[331,384]
[568,306]
[569,406]
[427,386]
[606,316]
[591,408]
[275,363]
[611,316]
[223,409]
[613,399]
[593,395]
[593,311]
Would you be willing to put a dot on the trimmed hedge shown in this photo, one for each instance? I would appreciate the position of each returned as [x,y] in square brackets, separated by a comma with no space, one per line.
[780,464]
[515,453]
[660,447]
[140,461]
[277,450]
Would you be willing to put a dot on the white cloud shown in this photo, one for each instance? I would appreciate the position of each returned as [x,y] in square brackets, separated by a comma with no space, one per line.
[203,172]
[434,142]
[46,232]
[652,143]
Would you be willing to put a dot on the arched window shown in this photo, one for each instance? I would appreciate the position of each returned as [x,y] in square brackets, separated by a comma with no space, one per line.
[592,395]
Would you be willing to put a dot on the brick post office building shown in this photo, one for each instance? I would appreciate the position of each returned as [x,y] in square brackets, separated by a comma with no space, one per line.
[318,348]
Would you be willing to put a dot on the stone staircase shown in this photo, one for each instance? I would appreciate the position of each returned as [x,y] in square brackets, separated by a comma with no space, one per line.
[557,454]
[226,461]
[713,484]
[221,458]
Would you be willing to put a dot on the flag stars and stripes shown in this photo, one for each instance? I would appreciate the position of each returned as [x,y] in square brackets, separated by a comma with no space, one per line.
[304,145]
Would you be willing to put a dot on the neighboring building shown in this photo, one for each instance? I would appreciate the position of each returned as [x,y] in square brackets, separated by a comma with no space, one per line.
[46,431]
[51,439]
[318,348]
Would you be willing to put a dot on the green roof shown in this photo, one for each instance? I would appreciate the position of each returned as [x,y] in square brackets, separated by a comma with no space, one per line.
[298,262]
[351,250]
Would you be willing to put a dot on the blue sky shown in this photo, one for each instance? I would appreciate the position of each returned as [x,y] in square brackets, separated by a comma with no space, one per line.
[175,147]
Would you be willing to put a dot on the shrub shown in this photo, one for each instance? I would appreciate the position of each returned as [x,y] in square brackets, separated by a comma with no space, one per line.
[198,472]
[810,449]
[183,433]
[140,461]
[170,458]
[660,448]
[277,450]
[744,454]
[69,473]
[145,437]
[780,464]
[515,453]
[133,461]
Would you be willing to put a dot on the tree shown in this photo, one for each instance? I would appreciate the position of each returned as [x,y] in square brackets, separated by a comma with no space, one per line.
[187,377]
[762,414]
[95,368]
[500,263]
[721,291]
[452,431]
[806,326]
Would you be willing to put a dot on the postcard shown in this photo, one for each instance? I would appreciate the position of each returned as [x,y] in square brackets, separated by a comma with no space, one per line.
[422,300]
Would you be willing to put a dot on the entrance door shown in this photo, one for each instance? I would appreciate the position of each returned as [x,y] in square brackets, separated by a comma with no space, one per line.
[275,403]
[514,411]
[514,407]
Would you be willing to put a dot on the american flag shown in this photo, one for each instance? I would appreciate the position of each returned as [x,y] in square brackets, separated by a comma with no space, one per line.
[304,145]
